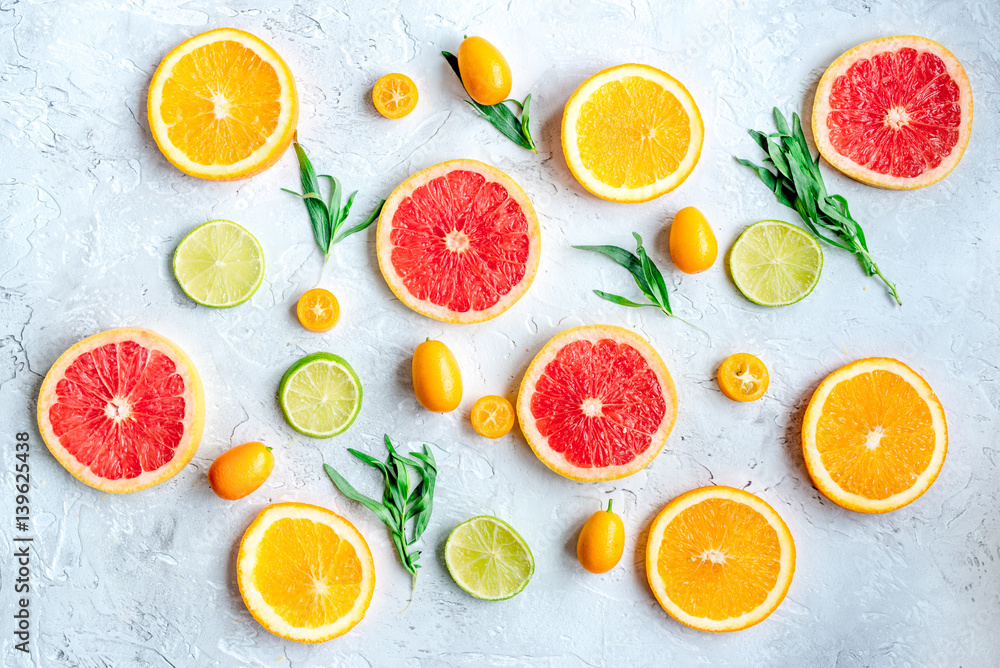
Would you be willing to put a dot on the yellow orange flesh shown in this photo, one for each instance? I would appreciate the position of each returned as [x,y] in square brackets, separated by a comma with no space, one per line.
[492,416]
[222,105]
[395,95]
[305,573]
[318,310]
[719,559]
[631,133]
[874,436]
[743,377]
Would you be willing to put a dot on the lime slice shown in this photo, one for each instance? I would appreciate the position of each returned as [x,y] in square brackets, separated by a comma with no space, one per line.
[219,264]
[320,395]
[488,559]
[774,263]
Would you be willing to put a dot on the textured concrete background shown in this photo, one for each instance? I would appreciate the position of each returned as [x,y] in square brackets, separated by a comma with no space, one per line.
[91,213]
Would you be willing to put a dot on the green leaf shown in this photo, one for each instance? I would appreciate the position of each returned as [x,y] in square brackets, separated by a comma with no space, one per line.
[319,215]
[346,209]
[354,495]
[364,225]
[621,301]
[624,258]
[653,277]
[453,61]
[525,130]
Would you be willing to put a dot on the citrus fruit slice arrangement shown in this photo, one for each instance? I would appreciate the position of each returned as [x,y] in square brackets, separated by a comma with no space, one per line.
[395,95]
[488,558]
[459,242]
[774,263]
[304,572]
[874,435]
[895,112]
[743,377]
[223,105]
[320,395]
[122,410]
[719,559]
[219,264]
[597,403]
[631,133]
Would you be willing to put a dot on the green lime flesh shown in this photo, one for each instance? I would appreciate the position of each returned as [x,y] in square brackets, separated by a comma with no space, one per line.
[320,395]
[774,263]
[488,559]
[219,264]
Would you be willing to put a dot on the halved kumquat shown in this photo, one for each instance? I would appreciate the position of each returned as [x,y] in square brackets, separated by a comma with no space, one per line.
[395,95]
[492,416]
[318,310]
[743,377]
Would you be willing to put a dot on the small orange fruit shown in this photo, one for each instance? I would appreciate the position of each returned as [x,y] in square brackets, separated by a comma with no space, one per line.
[719,559]
[223,105]
[492,416]
[395,95]
[485,72]
[318,310]
[601,542]
[240,470]
[437,380]
[692,243]
[743,377]
[305,573]
[874,435]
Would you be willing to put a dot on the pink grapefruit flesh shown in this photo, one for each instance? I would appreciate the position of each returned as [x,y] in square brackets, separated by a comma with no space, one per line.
[459,242]
[895,112]
[597,403]
[122,410]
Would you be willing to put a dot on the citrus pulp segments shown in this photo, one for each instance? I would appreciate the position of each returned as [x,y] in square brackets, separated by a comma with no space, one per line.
[814,460]
[360,574]
[424,248]
[774,263]
[198,270]
[940,138]
[88,384]
[320,395]
[471,554]
[570,134]
[651,411]
[270,64]
[782,580]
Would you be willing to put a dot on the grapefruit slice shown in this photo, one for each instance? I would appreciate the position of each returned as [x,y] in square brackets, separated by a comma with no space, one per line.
[122,410]
[597,403]
[459,242]
[895,112]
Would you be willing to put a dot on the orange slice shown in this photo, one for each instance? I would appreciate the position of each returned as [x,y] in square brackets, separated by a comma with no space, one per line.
[719,559]
[874,435]
[631,133]
[305,573]
[395,95]
[223,105]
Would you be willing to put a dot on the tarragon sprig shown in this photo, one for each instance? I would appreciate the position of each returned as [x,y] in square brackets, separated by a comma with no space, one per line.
[327,217]
[797,183]
[500,115]
[405,498]
[646,274]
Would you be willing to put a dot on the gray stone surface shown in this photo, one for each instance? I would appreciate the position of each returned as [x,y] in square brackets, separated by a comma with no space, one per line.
[90,213]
